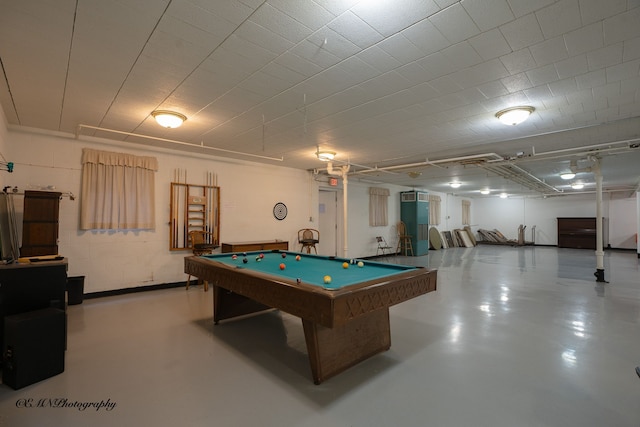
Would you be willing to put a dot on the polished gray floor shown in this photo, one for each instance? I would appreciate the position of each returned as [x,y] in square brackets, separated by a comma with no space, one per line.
[513,337]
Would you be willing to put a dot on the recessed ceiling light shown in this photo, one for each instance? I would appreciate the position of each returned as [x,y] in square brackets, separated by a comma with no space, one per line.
[577,186]
[325,156]
[455,184]
[485,192]
[567,175]
[503,195]
[515,115]
[168,119]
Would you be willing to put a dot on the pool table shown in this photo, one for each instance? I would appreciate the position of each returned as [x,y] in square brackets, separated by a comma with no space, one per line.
[345,321]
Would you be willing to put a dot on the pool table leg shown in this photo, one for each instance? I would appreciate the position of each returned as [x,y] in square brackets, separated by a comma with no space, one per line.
[332,350]
[227,305]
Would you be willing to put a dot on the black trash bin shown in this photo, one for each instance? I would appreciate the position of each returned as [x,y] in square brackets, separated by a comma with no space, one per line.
[75,290]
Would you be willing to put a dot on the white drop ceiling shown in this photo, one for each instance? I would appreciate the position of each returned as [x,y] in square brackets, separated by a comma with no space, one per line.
[392,86]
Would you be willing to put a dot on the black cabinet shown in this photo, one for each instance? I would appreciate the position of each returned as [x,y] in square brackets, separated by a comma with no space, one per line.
[29,287]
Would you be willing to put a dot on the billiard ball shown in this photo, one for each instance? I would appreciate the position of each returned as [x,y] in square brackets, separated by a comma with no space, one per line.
[258,259]
[298,280]
[234,256]
[261,255]
[327,279]
[345,265]
[360,264]
[244,254]
[284,255]
[282,266]
[352,261]
[245,260]
[298,258]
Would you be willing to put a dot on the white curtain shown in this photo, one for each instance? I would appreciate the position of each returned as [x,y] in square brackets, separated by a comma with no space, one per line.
[378,206]
[434,209]
[466,212]
[118,191]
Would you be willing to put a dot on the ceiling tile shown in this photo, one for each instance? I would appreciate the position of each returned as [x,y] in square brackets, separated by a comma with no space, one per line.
[337,6]
[281,23]
[631,49]
[523,32]
[307,12]
[233,10]
[315,54]
[389,18]
[518,61]
[584,39]
[354,29]
[623,71]
[332,42]
[490,44]
[488,14]
[559,18]
[436,65]
[622,27]
[605,57]
[592,79]
[563,87]
[267,39]
[481,73]
[401,48]
[549,51]
[542,75]
[597,10]
[426,36]
[571,67]
[524,7]
[379,59]
[462,55]
[517,82]
[455,24]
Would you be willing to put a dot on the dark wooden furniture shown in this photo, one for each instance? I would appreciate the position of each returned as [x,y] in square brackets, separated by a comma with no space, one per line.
[577,233]
[29,287]
[261,245]
[40,223]
[342,326]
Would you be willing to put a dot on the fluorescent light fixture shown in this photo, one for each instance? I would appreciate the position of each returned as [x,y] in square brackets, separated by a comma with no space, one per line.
[515,115]
[168,119]
[485,192]
[455,184]
[325,156]
[503,195]
[567,175]
[577,186]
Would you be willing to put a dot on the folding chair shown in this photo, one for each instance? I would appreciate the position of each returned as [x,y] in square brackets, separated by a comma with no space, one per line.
[383,246]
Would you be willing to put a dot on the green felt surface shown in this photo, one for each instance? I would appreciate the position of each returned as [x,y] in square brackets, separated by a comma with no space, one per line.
[311,269]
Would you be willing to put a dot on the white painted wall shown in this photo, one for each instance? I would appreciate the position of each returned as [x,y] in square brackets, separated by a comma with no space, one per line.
[507,214]
[122,259]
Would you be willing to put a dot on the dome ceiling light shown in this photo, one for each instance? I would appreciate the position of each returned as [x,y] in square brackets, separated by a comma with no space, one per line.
[514,115]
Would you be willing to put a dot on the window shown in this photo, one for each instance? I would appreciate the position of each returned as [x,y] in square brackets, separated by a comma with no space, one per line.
[378,210]
[118,191]
[466,212]
[434,209]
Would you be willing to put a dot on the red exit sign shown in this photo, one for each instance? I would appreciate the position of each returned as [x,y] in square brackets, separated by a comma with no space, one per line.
[333,182]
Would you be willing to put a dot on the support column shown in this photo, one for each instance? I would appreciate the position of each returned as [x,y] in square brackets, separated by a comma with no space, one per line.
[599,243]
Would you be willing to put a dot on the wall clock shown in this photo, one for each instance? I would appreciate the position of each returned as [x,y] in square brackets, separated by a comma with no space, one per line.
[280,211]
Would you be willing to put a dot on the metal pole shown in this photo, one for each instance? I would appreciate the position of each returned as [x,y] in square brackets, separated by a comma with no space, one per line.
[599,243]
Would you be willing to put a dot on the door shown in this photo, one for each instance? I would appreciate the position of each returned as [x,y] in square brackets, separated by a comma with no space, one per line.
[328,222]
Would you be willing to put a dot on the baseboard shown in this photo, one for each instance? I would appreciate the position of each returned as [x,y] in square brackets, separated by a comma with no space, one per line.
[124,291]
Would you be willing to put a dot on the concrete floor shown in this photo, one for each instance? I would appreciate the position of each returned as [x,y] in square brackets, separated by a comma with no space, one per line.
[513,337]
